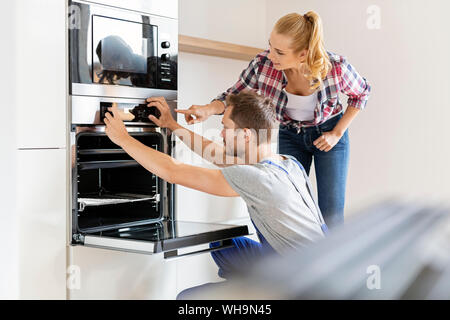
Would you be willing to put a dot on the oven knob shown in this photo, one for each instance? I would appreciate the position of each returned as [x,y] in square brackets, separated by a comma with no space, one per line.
[165,44]
[165,57]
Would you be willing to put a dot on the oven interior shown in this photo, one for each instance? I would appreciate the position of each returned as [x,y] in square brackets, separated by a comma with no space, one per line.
[112,189]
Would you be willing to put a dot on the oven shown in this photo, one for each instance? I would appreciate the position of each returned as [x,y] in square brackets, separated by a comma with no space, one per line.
[115,203]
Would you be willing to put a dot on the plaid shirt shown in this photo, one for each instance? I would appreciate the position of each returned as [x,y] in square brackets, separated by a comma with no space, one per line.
[261,75]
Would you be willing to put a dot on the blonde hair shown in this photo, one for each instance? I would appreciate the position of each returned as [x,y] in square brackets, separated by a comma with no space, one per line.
[306,32]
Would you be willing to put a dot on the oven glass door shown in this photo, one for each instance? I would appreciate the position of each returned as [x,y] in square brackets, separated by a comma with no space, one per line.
[124,52]
[165,236]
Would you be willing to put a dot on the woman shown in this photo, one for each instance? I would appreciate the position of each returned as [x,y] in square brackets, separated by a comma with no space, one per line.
[304,81]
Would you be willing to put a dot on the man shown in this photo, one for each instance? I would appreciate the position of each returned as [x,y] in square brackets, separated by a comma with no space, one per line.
[274,187]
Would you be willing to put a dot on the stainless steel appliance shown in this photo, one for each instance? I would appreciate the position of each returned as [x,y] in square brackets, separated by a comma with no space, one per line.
[120,56]
[133,52]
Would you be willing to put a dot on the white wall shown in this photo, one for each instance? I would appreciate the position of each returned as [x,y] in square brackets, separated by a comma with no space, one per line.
[399,143]
[239,22]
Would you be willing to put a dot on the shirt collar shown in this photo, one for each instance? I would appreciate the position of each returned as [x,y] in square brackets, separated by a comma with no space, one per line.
[284,81]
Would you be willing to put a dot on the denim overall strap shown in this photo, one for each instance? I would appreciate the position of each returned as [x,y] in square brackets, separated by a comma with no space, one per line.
[321,221]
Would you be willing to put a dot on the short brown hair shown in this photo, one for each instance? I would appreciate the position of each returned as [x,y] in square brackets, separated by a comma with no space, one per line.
[252,111]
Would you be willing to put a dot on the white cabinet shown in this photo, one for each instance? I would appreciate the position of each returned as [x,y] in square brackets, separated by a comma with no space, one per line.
[40,73]
[41,208]
[164,8]
[106,274]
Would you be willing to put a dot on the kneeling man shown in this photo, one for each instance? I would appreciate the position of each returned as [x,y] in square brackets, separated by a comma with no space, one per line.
[275,187]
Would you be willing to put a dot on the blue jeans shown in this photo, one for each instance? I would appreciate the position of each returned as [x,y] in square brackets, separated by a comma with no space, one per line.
[241,256]
[236,260]
[331,167]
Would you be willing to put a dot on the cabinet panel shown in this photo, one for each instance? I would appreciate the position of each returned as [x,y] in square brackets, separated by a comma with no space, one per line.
[165,8]
[106,274]
[40,73]
[41,208]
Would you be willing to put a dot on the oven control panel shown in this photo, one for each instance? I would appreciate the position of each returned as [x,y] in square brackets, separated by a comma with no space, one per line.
[91,111]
[130,113]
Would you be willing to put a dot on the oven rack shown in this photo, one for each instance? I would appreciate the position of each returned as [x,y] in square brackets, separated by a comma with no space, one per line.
[100,151]
[114,199]
[110,164]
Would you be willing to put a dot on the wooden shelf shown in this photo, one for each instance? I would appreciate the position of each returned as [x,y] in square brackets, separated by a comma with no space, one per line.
[216,48]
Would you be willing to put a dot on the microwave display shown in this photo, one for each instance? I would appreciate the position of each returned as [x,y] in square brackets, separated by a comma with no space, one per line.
[124,52]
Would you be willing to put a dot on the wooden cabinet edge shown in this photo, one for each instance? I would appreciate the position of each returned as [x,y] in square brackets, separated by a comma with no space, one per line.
[216,48]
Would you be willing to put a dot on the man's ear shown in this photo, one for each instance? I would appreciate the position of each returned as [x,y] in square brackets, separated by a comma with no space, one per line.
[247,134]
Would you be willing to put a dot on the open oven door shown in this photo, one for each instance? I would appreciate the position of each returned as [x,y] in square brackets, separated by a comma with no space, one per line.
[119,205]
[166,236]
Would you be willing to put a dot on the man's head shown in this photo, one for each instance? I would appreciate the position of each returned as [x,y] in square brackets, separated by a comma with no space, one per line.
[248,122]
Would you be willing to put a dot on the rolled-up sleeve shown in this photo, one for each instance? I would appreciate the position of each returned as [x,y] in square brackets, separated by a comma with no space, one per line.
[247,80]
[353,85]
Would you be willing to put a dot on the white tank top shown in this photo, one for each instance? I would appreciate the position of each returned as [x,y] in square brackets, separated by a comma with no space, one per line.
[301,108]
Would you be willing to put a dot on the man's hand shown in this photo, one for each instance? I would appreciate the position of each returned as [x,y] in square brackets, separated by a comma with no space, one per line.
[115,128]
[165,120]
[327,141]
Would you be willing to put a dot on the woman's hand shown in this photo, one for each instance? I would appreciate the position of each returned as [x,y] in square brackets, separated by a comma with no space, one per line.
[115,128]
[327,140]
[165,119]
[201,113]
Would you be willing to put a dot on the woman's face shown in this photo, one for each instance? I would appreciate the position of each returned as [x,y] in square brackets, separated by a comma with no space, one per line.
[281,55]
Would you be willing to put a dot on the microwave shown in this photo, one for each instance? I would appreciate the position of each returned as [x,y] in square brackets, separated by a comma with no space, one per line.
[119,56]
[122,53]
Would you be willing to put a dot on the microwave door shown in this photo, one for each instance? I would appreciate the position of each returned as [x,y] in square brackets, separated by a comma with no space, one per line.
[165,236]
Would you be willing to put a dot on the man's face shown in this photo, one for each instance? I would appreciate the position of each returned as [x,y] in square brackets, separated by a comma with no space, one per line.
[234,139]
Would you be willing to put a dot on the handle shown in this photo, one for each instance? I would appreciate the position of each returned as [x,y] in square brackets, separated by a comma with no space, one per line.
[173,254]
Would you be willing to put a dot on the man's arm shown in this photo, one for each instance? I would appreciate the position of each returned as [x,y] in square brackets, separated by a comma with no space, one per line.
[202,179]
[207,149]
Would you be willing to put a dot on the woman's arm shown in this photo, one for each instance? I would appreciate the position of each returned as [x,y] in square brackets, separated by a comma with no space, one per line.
[248,79]
[353,84]
[357,89]
[345,121]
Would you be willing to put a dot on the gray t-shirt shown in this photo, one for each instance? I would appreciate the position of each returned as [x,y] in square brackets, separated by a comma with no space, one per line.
[286,217]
